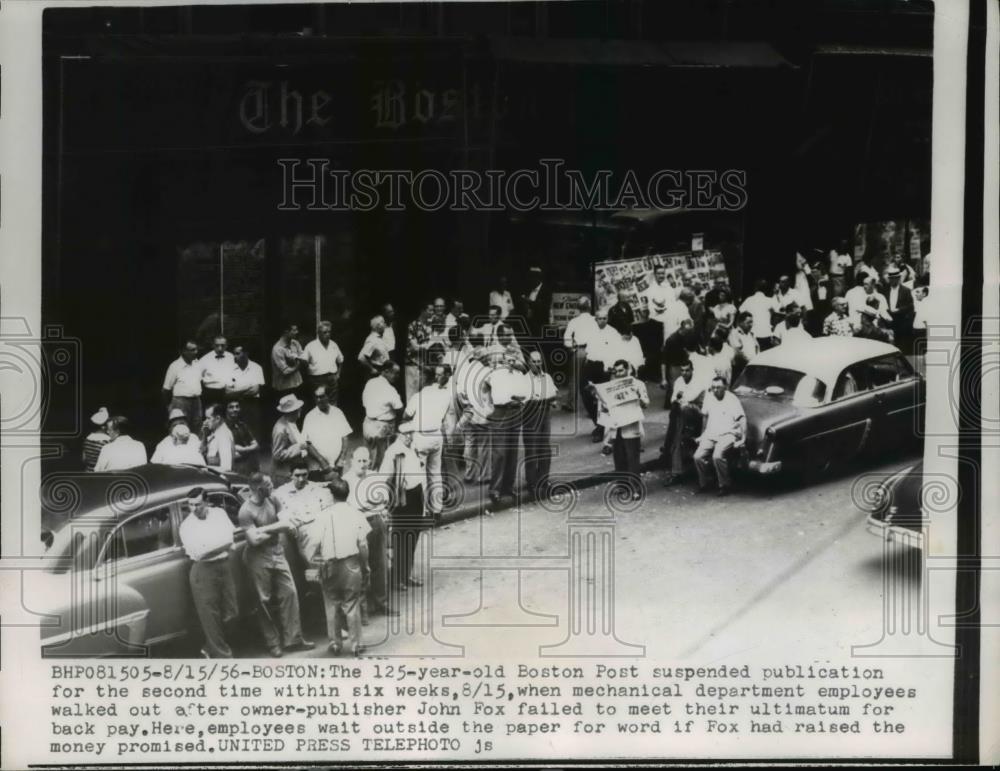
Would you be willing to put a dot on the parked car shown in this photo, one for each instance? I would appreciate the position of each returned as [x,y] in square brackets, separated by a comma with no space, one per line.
[116,576]
[896,510]
[810,404]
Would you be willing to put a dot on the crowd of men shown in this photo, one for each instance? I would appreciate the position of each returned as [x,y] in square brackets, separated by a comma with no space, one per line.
[476,404]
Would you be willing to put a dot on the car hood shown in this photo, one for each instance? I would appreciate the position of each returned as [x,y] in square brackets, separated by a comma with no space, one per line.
[763,412]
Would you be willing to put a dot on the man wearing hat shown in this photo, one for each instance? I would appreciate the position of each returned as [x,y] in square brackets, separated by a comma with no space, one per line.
[901,308]
[180,445]
[96,439]
[405,477]
[288,444]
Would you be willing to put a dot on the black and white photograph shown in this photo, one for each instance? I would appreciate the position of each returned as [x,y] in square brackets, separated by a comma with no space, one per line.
[505,381]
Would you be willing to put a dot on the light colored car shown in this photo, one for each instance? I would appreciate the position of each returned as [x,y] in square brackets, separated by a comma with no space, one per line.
[813,403]
[116,577]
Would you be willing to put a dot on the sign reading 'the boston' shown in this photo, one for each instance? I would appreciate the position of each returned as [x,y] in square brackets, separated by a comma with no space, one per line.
[276,106]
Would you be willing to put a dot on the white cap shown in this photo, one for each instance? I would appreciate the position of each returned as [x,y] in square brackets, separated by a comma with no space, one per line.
[100,417]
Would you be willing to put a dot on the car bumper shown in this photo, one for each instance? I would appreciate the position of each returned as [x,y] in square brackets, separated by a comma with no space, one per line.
[765,467]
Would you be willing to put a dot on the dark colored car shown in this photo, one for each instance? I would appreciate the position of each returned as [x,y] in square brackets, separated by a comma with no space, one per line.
[896,510]
[116,576]
[812,403]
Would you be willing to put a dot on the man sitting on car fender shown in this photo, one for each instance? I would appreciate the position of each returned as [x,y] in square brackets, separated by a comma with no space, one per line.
[724,428]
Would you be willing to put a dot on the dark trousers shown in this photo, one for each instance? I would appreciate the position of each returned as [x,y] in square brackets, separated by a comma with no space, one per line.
[273,584]
[593,372]
[683,423]
[341,583]
[378,561]
[214,595]
[536,433]
[505,438]
[408,521]
[626,456]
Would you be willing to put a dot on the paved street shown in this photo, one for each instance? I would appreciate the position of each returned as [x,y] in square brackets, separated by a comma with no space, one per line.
[694,576]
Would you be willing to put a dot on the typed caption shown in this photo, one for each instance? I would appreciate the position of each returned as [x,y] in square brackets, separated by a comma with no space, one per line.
[382,710]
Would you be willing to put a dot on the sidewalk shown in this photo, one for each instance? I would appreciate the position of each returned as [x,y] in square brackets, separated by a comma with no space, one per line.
[578,458]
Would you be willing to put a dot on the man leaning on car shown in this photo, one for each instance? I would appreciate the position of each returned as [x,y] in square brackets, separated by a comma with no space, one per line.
[207,536]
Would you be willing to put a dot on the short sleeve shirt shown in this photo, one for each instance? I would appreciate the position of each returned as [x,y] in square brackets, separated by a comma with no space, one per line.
[260,515]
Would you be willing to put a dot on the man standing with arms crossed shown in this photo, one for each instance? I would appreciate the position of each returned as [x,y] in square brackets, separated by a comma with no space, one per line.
[262,517]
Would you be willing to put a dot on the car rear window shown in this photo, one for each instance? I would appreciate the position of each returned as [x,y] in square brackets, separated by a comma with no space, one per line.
[780,384]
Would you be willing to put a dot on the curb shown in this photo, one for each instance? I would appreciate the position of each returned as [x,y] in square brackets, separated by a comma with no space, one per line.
[474,508]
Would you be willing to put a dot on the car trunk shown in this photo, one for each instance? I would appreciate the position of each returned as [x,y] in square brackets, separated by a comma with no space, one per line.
[762,412]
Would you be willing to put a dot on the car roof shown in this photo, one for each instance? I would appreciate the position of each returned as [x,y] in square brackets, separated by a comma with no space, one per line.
[114,494]
[823,357]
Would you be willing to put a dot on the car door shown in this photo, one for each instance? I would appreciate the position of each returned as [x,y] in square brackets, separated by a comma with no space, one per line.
[231,503]
[899,398]
[144,554]
[840,429]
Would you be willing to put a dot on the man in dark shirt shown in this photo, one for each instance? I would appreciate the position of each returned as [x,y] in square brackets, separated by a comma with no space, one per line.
[246,451]
[268,568]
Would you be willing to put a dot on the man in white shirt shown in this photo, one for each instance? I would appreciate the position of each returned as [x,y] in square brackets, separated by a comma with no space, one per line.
[685,419]
[791,329]
[382,404]
[340,552]
[759,304]
[628,348]
[323,361]
[245,384]
[374,351]
[743,342]
[427,409]
[579,331]
[536,429]
[182,384]
[122,452]
[368,493]
[207,537]
[596,366]
[325,427]
[217,439]
[724,427]
[661,295]
[866,295]
[501,297]
[509,390]
[179,447]
[784,297]
[216,371]
[494,322]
